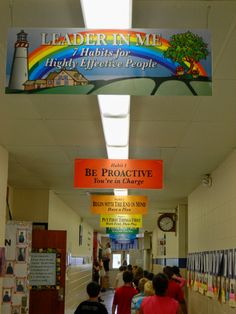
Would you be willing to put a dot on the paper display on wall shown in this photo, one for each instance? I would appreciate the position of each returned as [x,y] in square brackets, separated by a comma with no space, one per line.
[15,289]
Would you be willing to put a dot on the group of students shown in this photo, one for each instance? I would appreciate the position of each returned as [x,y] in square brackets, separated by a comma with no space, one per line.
[145,293]
[138,273]
[141,293]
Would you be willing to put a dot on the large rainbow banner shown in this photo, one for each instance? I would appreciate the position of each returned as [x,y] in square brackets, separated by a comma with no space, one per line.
[129,62]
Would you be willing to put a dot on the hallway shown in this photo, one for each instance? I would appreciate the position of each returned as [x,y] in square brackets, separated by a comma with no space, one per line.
[43,131]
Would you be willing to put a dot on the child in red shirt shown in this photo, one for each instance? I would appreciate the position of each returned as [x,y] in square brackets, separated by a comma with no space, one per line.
[123,295]
[160,303]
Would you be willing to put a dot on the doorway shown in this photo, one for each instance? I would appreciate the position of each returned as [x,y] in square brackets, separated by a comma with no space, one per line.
[48,299]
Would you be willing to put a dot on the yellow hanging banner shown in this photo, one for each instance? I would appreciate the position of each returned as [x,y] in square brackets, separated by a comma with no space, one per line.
[121,221]
[113,204]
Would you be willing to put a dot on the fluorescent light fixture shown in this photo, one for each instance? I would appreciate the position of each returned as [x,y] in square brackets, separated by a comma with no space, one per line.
[112,14]
[114,105]
[118,152]
[121,192]
[107,14]
[116,131]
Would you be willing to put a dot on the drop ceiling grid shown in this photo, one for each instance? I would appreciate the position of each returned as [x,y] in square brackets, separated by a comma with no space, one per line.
[73,132]
[168,108]
[62,13]
[191,134]
[157,133]
[169,14]
[66,107]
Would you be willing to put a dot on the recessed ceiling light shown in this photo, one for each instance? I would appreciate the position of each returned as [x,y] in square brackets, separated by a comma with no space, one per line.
[107,13]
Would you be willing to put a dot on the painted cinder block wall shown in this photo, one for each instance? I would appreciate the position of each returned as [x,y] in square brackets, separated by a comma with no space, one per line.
[212,225]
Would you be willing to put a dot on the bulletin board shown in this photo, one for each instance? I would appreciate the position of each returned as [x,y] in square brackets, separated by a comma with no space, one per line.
[45,269]
[15,289]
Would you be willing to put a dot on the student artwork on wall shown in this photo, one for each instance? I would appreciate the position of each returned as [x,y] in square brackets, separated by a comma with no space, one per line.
[15,291]
[9,268]
[21,236]
[21,254]
[20,285]
[213,274]
[6,295]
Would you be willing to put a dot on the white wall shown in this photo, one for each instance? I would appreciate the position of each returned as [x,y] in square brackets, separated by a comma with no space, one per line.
[3,190]
[62,217]
[30,205]
[212,225]
[212,211]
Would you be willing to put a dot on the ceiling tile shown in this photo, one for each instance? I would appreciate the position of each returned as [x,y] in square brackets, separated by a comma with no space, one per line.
[156,108]
[67,107]
[38,154]
[157,133]
[207,135]
[24,132]
[76,132]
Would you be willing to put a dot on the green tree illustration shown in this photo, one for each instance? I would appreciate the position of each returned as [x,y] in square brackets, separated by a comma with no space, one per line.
[186,47]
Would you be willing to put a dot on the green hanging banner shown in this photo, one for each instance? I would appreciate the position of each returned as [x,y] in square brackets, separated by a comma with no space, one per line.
[122,230]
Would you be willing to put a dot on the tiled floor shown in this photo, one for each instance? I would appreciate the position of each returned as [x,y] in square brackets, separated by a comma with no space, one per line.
[108,299]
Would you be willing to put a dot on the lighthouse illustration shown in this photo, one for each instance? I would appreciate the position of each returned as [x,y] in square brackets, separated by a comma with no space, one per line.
[19,69]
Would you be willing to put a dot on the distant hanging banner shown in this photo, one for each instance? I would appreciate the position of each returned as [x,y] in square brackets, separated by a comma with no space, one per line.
[113,204]
[118,173]
[118,246]
[122,230]
[122,238]
[121,221]
[128,62]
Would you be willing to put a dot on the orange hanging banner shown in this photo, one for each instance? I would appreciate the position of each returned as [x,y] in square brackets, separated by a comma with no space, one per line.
[117,204]
[118,173]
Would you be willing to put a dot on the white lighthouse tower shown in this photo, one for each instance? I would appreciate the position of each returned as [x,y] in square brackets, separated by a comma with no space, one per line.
[19,70]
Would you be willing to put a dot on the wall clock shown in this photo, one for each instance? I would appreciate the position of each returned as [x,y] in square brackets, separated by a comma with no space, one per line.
[167,222]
